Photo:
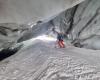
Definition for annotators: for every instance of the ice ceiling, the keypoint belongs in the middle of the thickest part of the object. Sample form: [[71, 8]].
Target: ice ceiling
[[23, 11]]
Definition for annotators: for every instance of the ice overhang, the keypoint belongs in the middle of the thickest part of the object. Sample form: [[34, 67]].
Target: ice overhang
[[24, 11]]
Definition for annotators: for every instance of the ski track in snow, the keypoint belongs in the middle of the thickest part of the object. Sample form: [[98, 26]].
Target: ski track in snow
[[44, 62]]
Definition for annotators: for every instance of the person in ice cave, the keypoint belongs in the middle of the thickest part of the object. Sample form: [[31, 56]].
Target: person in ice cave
[[60, 37]]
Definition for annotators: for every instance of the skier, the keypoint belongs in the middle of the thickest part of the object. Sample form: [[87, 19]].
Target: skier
[[60, 37]]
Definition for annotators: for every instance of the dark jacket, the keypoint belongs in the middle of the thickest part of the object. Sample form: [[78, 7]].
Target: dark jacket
[[60, 36]]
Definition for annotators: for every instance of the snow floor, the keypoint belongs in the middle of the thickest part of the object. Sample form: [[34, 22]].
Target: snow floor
[[40, 60]]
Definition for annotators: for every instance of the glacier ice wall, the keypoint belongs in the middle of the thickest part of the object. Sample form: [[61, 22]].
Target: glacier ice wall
[[82, 23]]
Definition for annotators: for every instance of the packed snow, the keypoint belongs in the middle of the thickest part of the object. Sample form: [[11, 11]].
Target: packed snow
[[40, 60]]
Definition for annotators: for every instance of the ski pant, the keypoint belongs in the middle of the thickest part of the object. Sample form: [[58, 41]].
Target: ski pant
[[61, 43]]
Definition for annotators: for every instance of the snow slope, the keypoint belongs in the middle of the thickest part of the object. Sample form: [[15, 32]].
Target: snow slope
[[41, 61]]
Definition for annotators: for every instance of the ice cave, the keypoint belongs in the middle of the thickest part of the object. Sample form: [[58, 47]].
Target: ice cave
[[29, 42]]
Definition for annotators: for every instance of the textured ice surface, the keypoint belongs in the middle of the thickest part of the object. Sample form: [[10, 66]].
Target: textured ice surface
[[41, 61]]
